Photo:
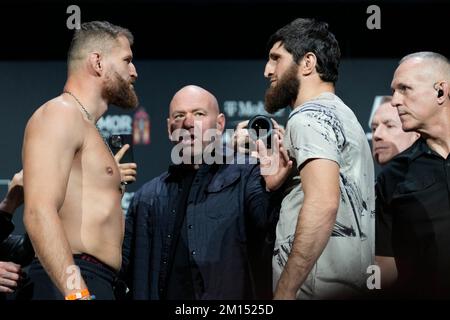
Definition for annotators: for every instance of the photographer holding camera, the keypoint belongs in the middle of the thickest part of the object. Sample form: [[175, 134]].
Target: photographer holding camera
[[259, 127]]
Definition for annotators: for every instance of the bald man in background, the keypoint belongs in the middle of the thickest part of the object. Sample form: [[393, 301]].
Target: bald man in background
[[388, 140], [388, 137], [198, 231], [413, 202]]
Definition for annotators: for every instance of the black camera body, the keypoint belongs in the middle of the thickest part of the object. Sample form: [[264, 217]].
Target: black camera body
[[261, 127], [117, 141]]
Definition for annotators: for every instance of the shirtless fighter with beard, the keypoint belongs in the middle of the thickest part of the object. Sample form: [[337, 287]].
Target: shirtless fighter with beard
[[72, 181]]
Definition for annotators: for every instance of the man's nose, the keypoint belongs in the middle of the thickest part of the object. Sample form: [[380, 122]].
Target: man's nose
[[268, 70], [377, 134], [396, 99], [133, 71], [188, 121]]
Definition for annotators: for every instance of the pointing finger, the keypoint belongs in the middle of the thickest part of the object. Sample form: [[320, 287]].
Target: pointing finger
[[121, 152]]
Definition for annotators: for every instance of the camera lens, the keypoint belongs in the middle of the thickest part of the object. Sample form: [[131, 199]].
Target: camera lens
[[260, 127], [261, 124], [116, 141]]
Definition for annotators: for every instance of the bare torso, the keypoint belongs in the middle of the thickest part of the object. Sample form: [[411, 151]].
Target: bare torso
[[91, 213]]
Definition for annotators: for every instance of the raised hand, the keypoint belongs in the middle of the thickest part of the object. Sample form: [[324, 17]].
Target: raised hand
[[14, 198], [127, 170], [275, 164], [242, 142]]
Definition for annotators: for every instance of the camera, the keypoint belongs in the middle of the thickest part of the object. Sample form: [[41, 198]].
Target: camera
[[117, 141], [261, 127]]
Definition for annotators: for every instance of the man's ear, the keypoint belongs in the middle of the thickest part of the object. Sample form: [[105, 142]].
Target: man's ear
[[220, 122], [308, 64], [96, 62], [443, 91]]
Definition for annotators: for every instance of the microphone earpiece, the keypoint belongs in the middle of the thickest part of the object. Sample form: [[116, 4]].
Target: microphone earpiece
[[440, 93]]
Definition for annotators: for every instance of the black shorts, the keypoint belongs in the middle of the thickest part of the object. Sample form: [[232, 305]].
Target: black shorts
[[100, 279]]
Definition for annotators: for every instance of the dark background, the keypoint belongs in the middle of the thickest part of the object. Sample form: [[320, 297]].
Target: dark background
[[225, 29], [220, 45]]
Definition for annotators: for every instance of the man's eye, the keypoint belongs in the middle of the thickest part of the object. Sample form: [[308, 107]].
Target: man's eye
[[403, 88]]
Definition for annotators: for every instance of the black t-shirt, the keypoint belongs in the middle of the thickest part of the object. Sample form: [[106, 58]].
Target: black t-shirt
[[413, 219]]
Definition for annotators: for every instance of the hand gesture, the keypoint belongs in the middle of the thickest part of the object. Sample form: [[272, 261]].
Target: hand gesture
[[9, 276], [127, 170], [275, 164], [14, 198], [242, 142]]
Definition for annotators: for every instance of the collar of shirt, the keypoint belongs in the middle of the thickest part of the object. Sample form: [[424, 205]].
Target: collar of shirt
[[176, 172], [419, 148]]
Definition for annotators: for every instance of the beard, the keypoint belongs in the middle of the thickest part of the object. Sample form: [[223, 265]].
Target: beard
[[285, 92], [117, 91]]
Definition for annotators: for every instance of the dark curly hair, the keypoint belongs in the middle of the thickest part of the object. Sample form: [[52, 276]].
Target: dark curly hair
[[308, 35]]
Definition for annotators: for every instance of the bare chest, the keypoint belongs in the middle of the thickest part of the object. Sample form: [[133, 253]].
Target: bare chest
[[97, 164]]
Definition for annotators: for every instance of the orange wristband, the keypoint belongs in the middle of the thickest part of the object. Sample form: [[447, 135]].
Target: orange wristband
[[78, 295]]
